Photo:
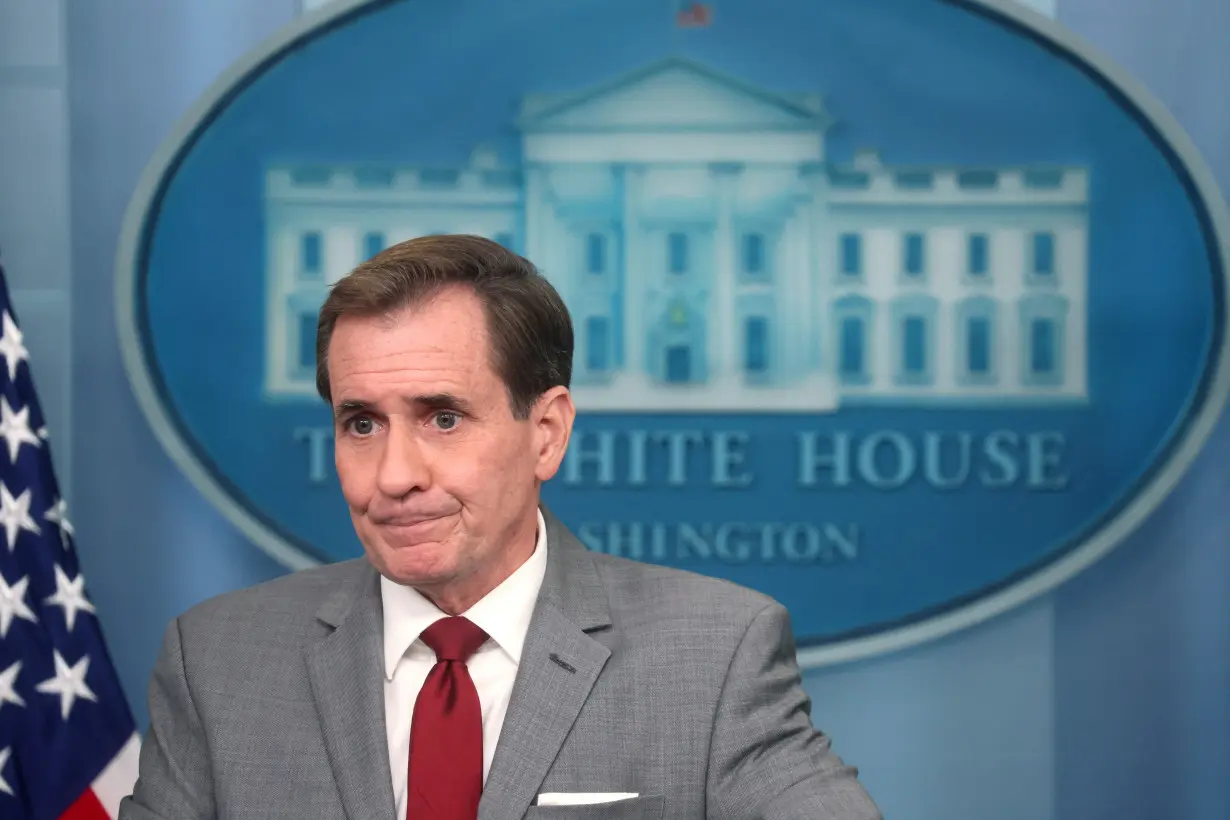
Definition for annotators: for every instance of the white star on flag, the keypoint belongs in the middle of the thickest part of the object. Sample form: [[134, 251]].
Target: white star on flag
[[68, 683], [4, 761], [15, 515], [8, 679], [57, 514], [15, 429], [70, 596], [13, 604], [11, 346]]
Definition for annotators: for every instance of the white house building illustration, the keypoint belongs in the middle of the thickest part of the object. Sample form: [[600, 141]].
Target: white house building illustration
[[713, 260]]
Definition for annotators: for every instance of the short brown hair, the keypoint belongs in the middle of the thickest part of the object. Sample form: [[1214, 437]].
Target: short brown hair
[[527, 321]]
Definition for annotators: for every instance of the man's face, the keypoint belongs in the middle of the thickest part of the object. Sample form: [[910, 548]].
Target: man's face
[[441, 480]]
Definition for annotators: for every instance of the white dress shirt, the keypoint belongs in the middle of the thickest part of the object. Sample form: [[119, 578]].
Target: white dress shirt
[[504, 614]]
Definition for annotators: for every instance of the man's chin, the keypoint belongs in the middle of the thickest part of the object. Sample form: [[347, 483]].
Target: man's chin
[[417, 564]]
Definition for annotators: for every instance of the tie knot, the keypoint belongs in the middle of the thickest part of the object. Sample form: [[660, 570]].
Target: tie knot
[[454, 639]]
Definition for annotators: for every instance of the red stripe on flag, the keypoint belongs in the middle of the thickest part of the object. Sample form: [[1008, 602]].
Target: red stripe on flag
[[87, 807]]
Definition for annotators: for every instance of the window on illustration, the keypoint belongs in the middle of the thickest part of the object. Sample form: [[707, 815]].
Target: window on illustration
[[914, 252], [852, 344], [978, 255], [914, 345], [595, 253], [756, 341], [311, 253], [678, 364], [1044, 253], [373, 243], [307, 341], [677, 251], [753, 253], [1042, 346], [851, 254], [597, 343], [978, 346]]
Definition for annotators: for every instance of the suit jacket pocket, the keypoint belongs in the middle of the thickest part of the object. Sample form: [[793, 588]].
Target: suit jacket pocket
[[635, 808]]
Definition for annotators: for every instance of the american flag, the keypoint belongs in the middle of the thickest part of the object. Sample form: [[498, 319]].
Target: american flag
[[693, 15], [68, 743]]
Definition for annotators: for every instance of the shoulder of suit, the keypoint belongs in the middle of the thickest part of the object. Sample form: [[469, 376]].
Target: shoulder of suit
[[299, 593], [635, 584]]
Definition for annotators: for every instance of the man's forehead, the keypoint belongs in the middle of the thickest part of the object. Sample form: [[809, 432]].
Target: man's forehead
[[408, 371], [396, 368]]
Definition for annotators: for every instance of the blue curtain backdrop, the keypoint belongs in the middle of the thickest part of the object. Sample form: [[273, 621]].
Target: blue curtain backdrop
[[1108, 698]]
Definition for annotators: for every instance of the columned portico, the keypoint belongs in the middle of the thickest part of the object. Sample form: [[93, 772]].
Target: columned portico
[[713, 258]]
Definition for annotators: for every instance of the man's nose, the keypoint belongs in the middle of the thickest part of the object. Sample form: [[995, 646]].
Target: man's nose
[[403, 467]]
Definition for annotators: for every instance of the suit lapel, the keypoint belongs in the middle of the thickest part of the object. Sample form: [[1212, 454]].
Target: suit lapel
[[346, 674], [559, 664]]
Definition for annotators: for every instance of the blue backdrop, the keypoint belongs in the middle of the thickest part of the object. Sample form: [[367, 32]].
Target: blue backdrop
[[924, 83]]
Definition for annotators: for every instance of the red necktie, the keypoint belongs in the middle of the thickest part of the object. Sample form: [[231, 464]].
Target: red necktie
[[446, 732]]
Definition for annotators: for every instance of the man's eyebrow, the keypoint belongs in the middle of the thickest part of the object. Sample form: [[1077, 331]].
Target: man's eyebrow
[[349, 406], [432, 401], [443, 401]]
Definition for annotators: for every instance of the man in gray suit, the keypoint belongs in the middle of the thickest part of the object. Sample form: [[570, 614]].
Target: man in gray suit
[[479, 661]]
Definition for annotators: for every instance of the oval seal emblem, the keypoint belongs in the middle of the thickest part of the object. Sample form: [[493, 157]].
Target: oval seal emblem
[[902, 312]]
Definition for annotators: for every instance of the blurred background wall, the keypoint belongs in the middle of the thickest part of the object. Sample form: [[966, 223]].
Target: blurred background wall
[[1106, 699]]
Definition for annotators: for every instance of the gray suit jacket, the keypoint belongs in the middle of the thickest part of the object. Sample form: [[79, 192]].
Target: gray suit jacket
[[268, 703]]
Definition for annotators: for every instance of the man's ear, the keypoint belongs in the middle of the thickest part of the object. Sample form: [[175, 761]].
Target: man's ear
[[552, 417]]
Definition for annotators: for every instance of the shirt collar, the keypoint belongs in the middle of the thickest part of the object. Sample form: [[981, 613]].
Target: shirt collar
[[503, 613]]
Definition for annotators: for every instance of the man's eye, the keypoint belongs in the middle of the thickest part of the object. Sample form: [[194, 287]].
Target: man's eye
[[447, 420], [362, 426]]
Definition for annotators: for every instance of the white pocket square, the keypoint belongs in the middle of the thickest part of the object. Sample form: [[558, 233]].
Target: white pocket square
[[582, 798]]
